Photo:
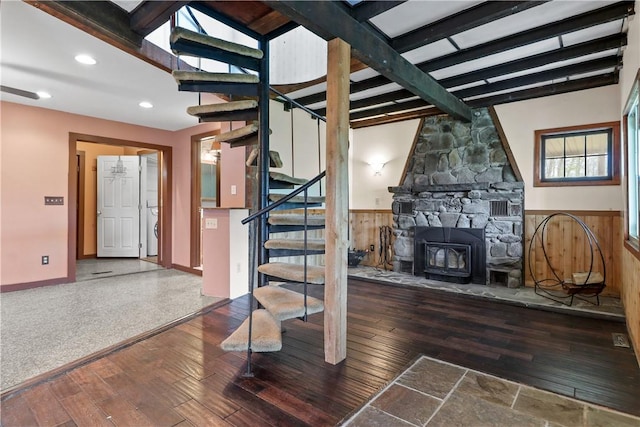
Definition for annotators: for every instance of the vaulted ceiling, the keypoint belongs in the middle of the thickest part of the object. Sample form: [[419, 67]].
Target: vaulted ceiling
[[410, 58]]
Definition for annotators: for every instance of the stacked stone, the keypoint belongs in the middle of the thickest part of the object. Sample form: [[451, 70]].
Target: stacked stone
[[456, 170]]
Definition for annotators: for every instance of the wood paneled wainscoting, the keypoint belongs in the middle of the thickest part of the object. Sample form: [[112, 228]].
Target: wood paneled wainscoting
[[365, 231], [568, 249], [631, 297]]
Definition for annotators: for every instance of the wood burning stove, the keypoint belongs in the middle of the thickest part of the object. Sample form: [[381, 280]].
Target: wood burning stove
[[450, 254]]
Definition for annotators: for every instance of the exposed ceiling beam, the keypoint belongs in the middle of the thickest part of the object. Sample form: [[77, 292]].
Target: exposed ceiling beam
[[102, 19], [605, 14], [393, 118], [368, 9], [113, 29], [462, 21], [565, 53], [614, 41], [150, 15], [399, 106], [569, 70], [328, 20], [548, 90], [543, 76]]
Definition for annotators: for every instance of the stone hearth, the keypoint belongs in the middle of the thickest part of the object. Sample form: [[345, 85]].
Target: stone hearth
[[458, 175]]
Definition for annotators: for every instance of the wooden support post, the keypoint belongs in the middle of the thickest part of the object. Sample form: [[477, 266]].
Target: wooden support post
[[337, 217]]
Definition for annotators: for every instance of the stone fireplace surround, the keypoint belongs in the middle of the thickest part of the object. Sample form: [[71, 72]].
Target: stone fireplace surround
[[458, 175]]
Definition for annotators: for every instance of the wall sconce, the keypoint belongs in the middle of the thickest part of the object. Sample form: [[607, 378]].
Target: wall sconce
[[377, 168]]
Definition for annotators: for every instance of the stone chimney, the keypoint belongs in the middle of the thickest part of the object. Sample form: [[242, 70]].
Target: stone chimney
[[458, 175]]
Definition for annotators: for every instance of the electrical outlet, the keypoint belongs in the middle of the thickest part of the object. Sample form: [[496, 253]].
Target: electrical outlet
[[372, 248], [234, 189], [45, 259]]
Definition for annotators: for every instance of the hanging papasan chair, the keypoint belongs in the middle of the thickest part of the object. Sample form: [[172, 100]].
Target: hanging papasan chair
[[585, 284]]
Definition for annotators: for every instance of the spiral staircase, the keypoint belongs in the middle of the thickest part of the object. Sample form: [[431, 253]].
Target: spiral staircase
[[286, 215]]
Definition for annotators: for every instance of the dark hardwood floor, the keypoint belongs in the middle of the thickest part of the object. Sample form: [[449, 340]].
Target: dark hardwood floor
[[181, 377]]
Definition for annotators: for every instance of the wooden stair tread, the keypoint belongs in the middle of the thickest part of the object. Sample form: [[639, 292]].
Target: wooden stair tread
[[203, 76], [180, 34], [274, 158], [274, 197], [265, 334], [222, 107], [286, 304], [293, 272], [295, 244], [295, 219], [240, 133], [277, 176]]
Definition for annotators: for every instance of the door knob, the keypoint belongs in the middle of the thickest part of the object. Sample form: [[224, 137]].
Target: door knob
[[99, 213]]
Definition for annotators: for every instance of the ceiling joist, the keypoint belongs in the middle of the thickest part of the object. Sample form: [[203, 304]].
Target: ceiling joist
[[150, 15], [467, 19], [605, 14], [368, 9], [548, 90], [329, 21]]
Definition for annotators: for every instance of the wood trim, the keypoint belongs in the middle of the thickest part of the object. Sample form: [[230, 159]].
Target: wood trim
[[195, 250], [615, 156], [185, 269], [577, 213], [370, 210], [32, 285], [411, 151], [165, 154], [505, 143], [88, 256], [81, 156], [631, 246]]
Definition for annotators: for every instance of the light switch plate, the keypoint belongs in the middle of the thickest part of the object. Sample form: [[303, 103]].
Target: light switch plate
[[211, 223], [234, 189], [54, 200]]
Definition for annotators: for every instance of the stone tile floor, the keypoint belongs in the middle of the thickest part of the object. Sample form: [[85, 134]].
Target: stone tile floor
[[609, 307], [436, 393]]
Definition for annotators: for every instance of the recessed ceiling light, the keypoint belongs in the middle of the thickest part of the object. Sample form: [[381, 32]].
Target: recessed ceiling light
[[146, 104], [43, 95], [85, 59]]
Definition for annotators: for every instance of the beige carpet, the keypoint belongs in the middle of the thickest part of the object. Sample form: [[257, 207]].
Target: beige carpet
[[435, 393]]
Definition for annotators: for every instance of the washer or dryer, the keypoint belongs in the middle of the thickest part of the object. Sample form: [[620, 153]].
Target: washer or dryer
[[152, 231]]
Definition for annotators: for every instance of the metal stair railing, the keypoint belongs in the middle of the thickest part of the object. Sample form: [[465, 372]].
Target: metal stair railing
[[261, 213]]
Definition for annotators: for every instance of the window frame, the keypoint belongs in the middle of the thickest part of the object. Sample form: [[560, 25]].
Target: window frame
[[613, 156], [631, 243]]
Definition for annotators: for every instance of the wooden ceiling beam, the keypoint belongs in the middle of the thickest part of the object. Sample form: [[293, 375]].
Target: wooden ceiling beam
[[387, 109], [462, 21], [614, 41], [613, 61], [393, 118], [366, 10], [329, 21], [602, 15], [110, 25], [102, 19], [548, 90], [150, 15]]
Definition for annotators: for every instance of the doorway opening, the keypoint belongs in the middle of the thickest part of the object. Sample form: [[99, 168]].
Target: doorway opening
[[154, 205], [205, 186]]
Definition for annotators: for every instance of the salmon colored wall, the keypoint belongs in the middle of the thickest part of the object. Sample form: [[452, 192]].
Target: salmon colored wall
[[92, 151], [34, 164]]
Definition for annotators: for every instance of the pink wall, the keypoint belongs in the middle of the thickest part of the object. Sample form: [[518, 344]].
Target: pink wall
[[34, 164]]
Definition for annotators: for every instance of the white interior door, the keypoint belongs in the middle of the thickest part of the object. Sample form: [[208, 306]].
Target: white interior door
[[118, 202]]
